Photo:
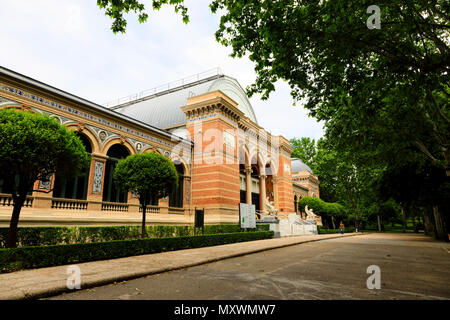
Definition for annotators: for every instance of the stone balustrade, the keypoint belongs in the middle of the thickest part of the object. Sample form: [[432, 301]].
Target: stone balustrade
[[115, 206], [150, 209], [69, 204], [174, 210], [6, 200]]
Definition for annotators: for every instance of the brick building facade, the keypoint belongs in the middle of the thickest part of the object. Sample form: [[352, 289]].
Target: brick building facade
[[206, 126]]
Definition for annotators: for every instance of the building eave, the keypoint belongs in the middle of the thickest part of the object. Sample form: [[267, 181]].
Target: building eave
[[301, 186], [40, 85]]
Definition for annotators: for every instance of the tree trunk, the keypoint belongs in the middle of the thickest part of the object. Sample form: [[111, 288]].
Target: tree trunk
[[428, 224], [425, 224], [413, 216], [144, 209], [332, 220], [12, 232], [377, 205], [404, 220], [355, 210], [440, 227], [143, 197]]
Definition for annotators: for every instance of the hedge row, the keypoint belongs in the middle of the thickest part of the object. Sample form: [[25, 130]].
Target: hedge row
[[13, 259], [322, 230], [44, 236], [321, 207]]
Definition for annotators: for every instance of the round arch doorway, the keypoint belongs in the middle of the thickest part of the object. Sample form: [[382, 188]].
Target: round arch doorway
[[176, 197], [74, 187], [111, 193]]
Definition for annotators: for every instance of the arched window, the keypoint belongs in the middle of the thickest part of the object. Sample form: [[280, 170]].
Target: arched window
[[269, 192], [7, 184], [242, 184], [176, 197], [110, 191], [255, 187], [74, 187]]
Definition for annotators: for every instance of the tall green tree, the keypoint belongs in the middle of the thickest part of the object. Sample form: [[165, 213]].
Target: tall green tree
[[343, 178], [353, 77], [33, 147], [148, 175]]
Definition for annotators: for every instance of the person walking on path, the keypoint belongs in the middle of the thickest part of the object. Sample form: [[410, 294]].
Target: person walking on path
[[341, 227]]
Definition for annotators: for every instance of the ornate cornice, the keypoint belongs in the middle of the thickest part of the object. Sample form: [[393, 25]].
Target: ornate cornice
[[211, 105]]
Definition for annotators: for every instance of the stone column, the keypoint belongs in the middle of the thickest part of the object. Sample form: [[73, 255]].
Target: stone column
[[43, 199], [262, 192], [133, 203], [164, 205], [275, 192], [248, 184], [187, 195]]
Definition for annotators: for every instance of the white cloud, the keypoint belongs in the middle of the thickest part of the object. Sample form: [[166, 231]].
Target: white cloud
[[69, 44]]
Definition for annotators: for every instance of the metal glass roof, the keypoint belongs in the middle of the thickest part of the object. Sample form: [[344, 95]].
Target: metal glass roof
[[163, 109], [298, 165]]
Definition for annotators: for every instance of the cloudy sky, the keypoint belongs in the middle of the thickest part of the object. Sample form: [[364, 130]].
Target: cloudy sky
[[68, 44]]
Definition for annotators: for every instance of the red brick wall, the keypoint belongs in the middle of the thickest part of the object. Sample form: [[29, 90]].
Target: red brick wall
[[215, 169]]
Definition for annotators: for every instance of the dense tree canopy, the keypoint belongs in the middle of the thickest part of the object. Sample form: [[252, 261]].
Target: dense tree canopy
[[342, 177], [374, 88], [35, 146], [147, 175]]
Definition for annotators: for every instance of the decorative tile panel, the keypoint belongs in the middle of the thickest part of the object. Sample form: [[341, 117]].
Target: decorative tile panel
[[98, 177], [102, 135], [139, 145], [61, 119], [187, 190], [47, 184]]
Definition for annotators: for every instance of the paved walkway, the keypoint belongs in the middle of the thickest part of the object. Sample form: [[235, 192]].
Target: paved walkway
[[411, 267], [45, 282]]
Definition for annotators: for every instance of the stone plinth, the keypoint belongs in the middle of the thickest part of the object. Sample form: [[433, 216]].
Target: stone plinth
[[293, 226]]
